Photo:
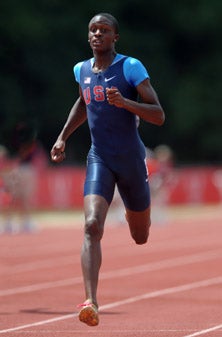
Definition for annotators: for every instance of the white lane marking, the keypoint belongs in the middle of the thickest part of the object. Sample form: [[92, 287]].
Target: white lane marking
[[74, 258], [158, 293], [203, 332], [40, 264], [122, 272], [24, 251], [47, 321]]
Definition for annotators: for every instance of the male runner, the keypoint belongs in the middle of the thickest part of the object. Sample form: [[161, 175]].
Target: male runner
[[109, 84]]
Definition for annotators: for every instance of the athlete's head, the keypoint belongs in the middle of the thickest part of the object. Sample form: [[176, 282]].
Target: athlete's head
[[110, 19], [103, 33]]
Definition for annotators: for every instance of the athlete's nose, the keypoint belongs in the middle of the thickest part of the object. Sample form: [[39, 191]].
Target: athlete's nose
[[98, 32]]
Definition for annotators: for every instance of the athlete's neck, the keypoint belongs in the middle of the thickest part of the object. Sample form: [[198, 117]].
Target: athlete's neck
[[103, 61]]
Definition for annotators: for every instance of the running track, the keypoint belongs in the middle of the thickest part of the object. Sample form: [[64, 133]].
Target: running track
[[170, 287]]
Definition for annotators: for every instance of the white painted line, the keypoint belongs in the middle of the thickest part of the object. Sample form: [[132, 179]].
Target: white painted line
[[122, 272], [40, 264], [163, 264], [158, 293], [41, 286], [167, 291], [203, 332], [46, 248], [47, 321]]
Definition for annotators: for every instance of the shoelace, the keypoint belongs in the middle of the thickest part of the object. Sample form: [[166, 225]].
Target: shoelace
[[82, 305]]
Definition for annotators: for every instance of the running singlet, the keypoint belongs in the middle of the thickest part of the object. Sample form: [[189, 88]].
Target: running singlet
[[113, 130]]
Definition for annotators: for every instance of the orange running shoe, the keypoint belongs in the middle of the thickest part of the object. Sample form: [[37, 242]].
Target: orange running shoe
[[89, 313]]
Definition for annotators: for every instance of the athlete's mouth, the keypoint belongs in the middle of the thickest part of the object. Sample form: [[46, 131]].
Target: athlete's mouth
[[97, 42]]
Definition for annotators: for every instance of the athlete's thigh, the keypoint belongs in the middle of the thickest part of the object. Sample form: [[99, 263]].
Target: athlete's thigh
[[133, 184], [140, 219], [95, 206], [100, 180]]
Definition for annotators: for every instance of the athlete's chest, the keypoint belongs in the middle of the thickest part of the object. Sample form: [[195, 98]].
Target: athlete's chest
[[94, 84]]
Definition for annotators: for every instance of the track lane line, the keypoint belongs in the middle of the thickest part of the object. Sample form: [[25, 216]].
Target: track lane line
[[153, 294], [122, 272], [203, 332], [40, 264]]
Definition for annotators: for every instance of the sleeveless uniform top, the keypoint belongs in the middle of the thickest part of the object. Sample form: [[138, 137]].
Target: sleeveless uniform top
[[113, 130]]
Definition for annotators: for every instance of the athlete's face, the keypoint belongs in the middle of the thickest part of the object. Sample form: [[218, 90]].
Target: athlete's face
[[102, 35]]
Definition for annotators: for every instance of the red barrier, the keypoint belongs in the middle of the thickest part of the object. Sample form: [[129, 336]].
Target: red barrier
[[196, 185], [62, 188]]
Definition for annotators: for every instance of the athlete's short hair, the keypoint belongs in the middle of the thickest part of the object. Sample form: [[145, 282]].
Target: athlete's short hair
[[111, 18]]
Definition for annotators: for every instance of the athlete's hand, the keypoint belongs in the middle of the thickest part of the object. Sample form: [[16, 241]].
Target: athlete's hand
[[58, 151], [114, 97]]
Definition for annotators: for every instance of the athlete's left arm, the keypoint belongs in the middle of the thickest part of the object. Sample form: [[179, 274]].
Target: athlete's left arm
[[149, 107]]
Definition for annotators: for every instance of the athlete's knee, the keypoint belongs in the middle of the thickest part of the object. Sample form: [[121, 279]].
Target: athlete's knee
[[140, 232], [140, 237], [93, 228], [139, 224]]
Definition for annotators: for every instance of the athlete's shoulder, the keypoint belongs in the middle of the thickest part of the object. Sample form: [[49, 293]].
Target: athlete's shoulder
[[134, 70], [119, 57], [77, 68], [127, 59]]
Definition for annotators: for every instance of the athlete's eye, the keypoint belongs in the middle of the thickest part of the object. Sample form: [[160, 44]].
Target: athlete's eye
[[101, 30]]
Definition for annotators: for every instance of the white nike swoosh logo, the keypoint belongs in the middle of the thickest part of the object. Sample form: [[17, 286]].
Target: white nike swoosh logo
[[109, 79]]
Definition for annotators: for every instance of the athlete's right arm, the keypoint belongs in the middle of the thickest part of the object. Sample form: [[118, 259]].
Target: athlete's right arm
[[76, 117]]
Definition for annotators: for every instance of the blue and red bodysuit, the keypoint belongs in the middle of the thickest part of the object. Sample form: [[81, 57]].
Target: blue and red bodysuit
[[117, 154]]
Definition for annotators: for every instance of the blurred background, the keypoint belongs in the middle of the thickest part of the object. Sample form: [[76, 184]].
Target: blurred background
[[179, 42]]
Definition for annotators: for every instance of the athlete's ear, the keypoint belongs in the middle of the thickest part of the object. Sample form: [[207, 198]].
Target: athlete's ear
[[116, 38]]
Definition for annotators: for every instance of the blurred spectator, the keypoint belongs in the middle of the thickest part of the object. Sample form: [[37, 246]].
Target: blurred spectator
[[5, 196], [160, 162], [20, 181]]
